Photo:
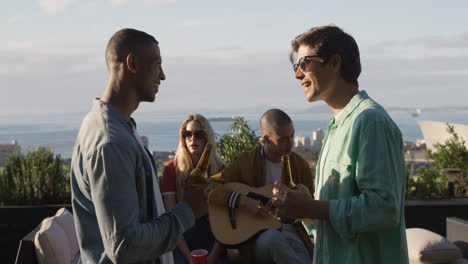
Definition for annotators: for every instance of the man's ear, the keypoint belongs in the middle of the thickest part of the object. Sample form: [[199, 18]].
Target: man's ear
[[335, 63], [130, 62], [266, 138]]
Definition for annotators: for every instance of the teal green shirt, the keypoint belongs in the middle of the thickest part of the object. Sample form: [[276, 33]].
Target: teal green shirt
[[363, 177]]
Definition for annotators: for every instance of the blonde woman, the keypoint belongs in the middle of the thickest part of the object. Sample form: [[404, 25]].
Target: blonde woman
[[194, 134]]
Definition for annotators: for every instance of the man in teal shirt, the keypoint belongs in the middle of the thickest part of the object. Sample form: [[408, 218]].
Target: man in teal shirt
[[360, 185]]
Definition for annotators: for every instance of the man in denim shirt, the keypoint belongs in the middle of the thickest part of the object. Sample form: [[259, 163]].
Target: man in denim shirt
[[118, 210], [360, 183]]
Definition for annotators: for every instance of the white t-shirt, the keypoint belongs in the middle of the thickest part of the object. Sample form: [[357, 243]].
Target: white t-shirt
[[273, 173], [321, 164], [167, 257]]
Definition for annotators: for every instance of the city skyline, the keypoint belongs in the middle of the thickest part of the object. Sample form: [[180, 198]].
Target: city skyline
[[219, 55]]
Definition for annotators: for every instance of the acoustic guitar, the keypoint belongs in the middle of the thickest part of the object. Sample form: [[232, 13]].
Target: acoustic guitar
[[246, 224]]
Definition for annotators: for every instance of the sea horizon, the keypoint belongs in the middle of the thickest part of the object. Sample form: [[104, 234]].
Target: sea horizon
[[58, 131]]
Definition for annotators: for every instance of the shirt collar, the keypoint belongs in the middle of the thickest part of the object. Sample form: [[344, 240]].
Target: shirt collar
[[350, 107], [101, 106]]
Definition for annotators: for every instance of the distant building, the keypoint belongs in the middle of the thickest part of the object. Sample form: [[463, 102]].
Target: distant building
[[8, 149], [163, 155], [436, 132], [159, 157], [302, 142], [318, 136], [305, 143]]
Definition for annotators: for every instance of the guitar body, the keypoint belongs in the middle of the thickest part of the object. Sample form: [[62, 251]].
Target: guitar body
[[247, 224]]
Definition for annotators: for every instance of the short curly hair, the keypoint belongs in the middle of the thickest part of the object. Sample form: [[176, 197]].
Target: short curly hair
[[328, 41]]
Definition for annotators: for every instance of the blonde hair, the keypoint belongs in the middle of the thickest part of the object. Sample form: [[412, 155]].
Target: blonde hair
[[183, 159]]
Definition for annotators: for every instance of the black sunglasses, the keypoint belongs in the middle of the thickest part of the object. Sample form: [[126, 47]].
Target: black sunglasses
[[303, 62], [200, 134]]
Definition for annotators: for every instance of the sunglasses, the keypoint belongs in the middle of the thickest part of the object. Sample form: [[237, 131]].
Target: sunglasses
[[200, 134], [303, 62]]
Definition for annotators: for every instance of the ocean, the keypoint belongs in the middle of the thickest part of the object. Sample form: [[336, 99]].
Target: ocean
[[59, 134]]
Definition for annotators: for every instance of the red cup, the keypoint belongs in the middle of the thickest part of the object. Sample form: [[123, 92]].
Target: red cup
[[199, 256]]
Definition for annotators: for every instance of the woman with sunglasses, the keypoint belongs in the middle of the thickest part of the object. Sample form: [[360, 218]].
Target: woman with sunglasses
[[195, 133]]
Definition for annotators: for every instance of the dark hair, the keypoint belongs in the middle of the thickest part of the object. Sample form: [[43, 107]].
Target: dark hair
[[274, 119], [125, 41], [328, 41]]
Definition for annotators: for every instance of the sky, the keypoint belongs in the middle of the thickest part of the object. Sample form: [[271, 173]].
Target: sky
[[227, 55]]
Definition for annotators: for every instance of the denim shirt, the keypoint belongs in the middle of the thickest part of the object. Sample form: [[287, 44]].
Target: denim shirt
[[109, 183], [363, 177]]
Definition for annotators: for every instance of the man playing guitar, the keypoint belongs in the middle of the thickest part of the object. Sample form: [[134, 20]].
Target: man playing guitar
[[259, 167]]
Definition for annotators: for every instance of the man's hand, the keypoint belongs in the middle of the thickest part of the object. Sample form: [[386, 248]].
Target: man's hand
[[290, 204], [253, 206], [197, 199]]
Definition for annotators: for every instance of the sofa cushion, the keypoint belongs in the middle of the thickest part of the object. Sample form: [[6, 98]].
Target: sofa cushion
[[65, 219], [51, 243], [425, 246], [460, 261]]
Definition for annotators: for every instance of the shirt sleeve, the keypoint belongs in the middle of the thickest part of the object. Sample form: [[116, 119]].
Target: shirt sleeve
[[380, 178], [112, 169], [169, 179], [219, 193]]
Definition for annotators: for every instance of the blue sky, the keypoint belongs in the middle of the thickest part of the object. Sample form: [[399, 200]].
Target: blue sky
[[228, 54]]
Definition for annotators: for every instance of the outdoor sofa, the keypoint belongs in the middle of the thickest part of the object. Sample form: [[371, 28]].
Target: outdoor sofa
[[55, 241]]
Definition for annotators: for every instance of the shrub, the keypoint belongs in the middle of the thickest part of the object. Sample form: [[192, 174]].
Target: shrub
[[452, 154], [237, 139], [432, 182], [38, 177], [428, 184]]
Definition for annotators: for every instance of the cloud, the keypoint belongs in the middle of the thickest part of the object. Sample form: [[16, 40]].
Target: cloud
[[195, 22], [67, 80], [15, 19], [89, 5], [231, 48], [448, 73], [53, 6], [458, 41], [117, 3], [34, 81], [159, 1], [425, 81], [36, 61]]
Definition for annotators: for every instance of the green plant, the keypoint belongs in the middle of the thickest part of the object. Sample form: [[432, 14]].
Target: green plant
[[428, 184], [452, 154], [38, 177], [432, 182], [237, 139]]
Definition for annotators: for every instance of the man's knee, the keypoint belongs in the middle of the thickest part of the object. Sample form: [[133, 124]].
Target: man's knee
[[271, 238]]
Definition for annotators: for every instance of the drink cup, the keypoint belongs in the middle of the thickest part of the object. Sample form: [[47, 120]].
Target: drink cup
[[199, 256]]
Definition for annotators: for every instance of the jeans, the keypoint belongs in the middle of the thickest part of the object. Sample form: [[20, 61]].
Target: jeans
[[272, 246]]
